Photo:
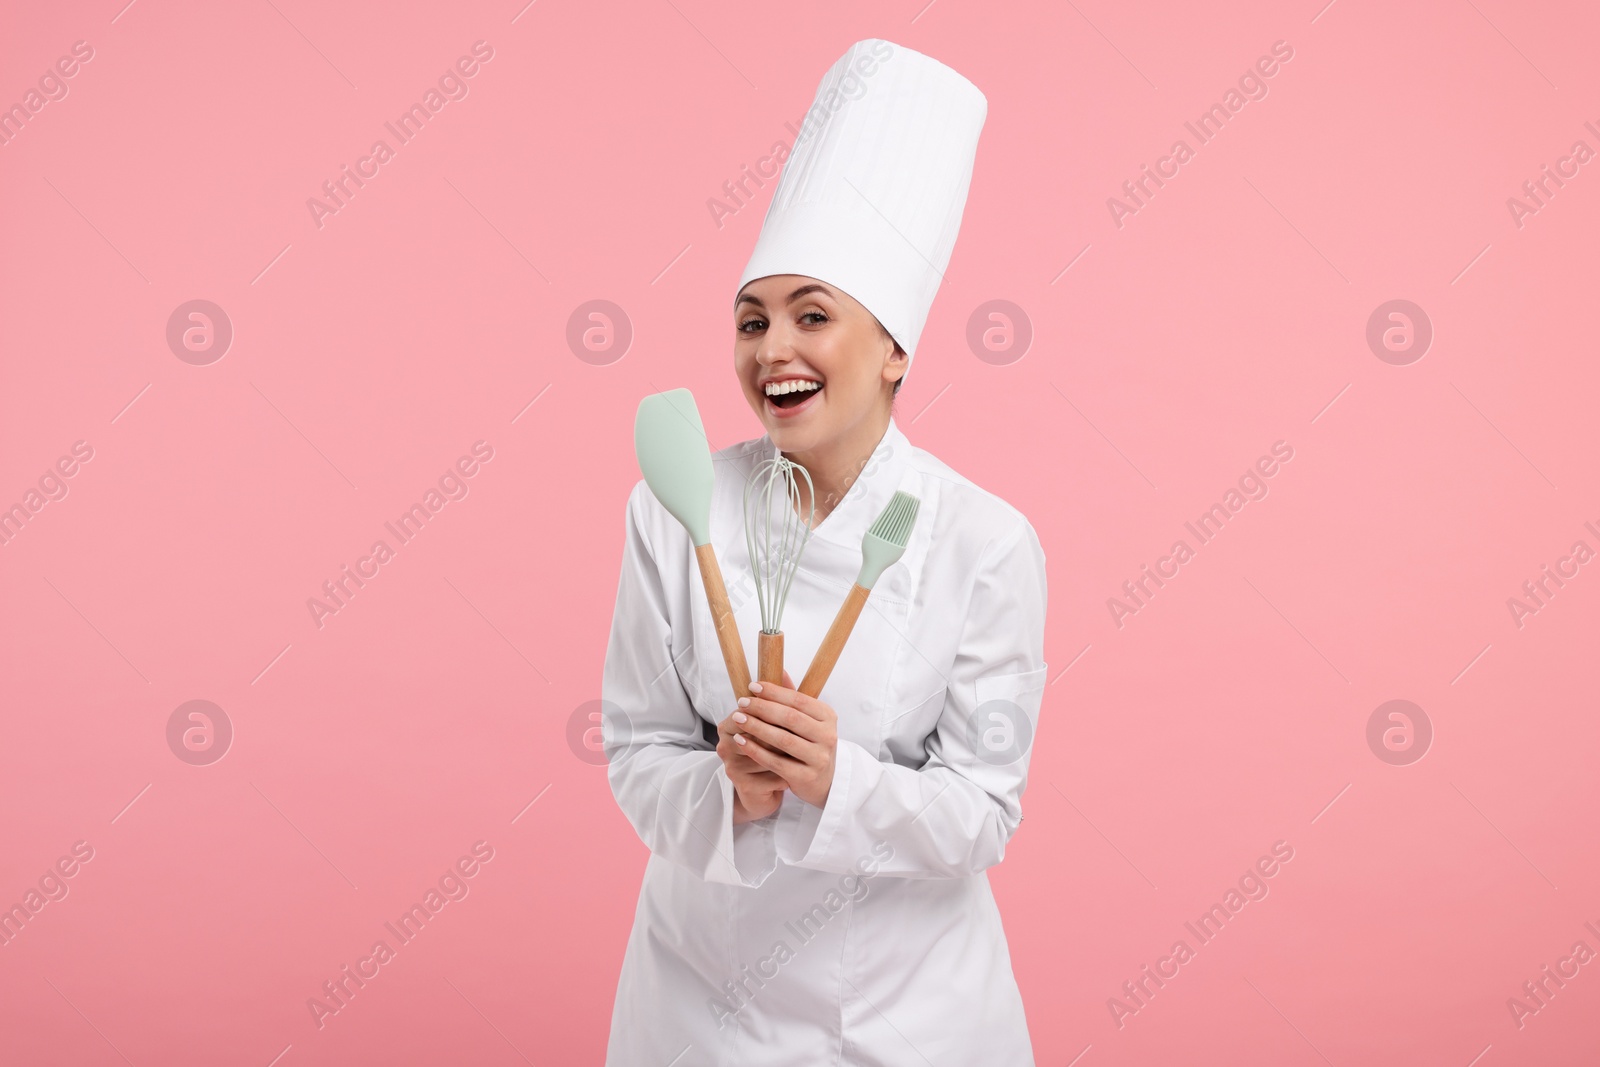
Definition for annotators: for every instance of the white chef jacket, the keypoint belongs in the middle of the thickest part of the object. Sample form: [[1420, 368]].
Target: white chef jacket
[[863, 932]]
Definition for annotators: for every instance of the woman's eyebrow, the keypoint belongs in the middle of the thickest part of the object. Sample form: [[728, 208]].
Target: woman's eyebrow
[[813, 287]]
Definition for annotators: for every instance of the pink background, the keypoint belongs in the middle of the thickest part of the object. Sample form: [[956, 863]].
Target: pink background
[[428, 313]]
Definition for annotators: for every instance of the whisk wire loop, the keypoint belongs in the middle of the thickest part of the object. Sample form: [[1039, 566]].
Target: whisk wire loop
[[775, 544]]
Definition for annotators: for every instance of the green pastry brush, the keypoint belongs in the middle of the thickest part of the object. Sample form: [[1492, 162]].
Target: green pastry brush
[[881, 548]]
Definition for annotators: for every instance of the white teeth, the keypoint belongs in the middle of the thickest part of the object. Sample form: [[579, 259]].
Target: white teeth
[[793, 385]]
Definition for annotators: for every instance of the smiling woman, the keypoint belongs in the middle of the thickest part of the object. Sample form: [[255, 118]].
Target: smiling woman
[[752, 804]]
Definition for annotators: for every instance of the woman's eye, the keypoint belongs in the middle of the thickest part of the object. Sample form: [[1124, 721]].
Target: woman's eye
[[749, 325], [815, 315]]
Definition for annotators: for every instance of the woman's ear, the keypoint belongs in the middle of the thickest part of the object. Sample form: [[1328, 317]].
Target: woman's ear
[[897, 366]]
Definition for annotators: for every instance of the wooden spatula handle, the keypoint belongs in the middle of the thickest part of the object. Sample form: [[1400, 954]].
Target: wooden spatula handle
[[722, 615], [833, 644], [769, 657]]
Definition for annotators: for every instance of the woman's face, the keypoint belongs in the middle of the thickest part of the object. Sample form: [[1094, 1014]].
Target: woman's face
[[798, 330]]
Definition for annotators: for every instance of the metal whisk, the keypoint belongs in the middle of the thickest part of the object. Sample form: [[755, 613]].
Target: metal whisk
[[775, 544]]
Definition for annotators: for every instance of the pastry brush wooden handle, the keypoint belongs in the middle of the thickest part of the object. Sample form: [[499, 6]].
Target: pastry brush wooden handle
[[833, 644], [722, 615]]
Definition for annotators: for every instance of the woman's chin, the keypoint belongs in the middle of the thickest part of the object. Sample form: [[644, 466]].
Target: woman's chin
[[788, 437]]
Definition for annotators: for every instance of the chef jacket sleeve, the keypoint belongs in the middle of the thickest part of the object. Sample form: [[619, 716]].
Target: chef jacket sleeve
[[664, 772], [953, 816]]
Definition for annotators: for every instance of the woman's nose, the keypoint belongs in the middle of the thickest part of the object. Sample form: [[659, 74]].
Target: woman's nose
[[775, 348]]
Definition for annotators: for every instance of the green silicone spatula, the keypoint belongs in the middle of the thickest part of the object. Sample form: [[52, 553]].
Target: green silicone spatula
[[883, 545], [675, 459]]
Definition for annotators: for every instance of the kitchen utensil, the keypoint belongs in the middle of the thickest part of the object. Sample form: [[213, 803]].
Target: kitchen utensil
[[775, 543], [882, 546], [675, 459]]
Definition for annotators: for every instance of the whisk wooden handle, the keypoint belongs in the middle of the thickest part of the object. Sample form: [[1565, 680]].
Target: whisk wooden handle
[[722, 615], [769, 657], [833, 644]]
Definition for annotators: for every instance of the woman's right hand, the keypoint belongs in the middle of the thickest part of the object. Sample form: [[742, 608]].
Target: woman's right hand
[[757, 792]]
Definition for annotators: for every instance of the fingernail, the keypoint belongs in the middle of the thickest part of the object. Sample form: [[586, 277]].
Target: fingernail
[[739, 738], [755, 687], [740, 716], [744, 702]]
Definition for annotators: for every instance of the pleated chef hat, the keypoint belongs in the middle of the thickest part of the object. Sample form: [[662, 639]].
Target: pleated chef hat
[[872, 193]]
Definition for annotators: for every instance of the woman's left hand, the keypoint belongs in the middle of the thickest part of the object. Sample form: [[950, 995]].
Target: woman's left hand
[[790, 734]]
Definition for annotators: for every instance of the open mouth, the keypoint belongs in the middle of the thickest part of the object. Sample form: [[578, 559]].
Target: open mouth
[[791, 394]]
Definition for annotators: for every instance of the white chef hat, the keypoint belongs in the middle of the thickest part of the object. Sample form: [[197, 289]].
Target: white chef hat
[[872, 193]]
